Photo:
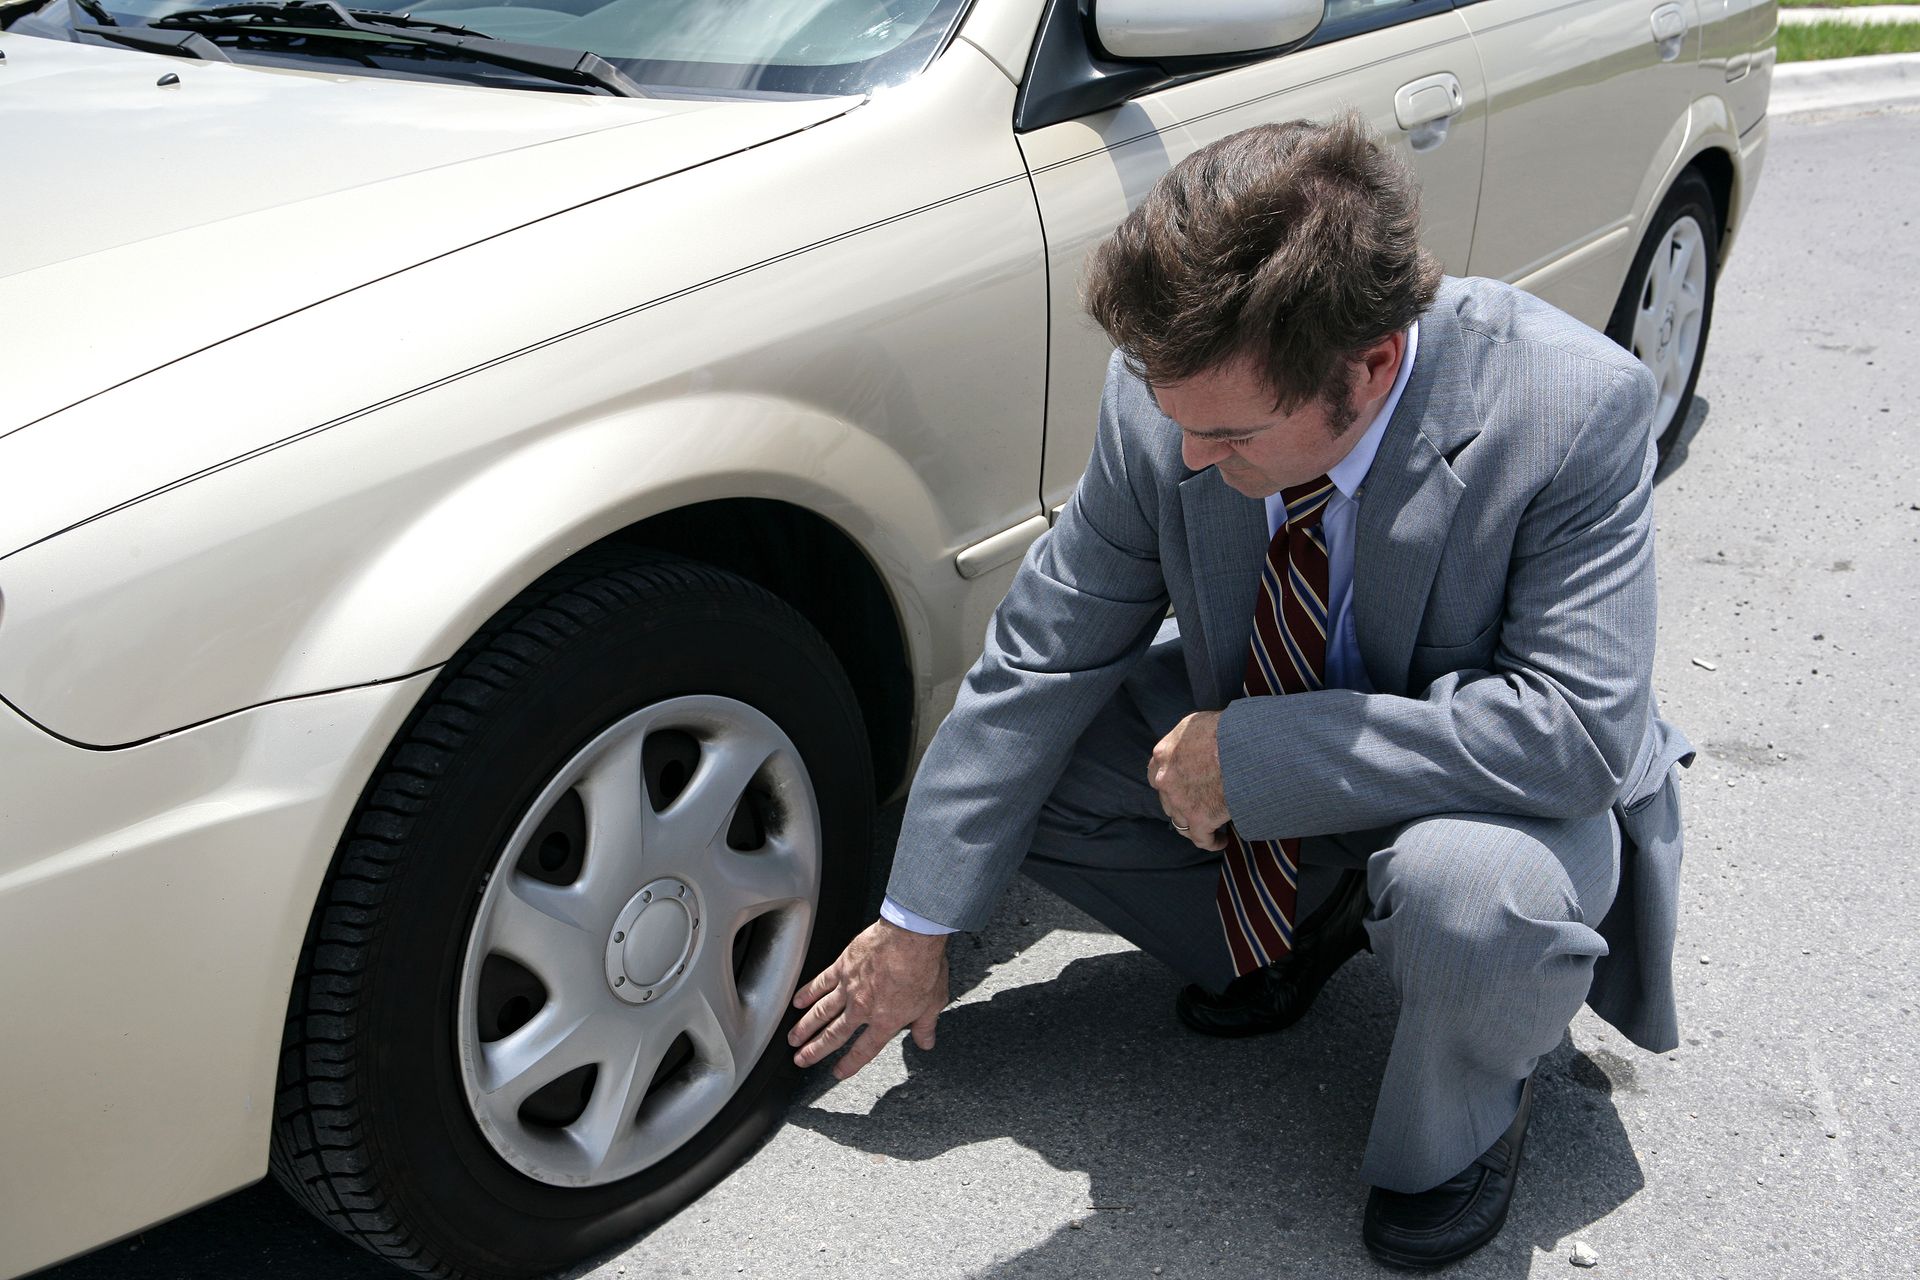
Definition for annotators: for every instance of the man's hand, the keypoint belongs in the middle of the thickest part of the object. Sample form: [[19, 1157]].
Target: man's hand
[[887, 978], [1185, 770]]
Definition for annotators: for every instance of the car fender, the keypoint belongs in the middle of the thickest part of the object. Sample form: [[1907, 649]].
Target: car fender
[[309, 581], [468, 551], [1706, 126]]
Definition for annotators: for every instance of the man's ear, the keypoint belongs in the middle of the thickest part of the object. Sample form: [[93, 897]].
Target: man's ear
[[1377, 366]]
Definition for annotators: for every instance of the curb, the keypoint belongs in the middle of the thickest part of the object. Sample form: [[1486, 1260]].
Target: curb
[[1860, 15], [1886, 79]]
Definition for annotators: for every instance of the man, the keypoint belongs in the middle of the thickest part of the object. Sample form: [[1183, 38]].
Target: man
[[1435, 680]]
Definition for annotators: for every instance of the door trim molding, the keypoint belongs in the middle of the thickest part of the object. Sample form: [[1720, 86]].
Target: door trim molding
[[1008, 545]]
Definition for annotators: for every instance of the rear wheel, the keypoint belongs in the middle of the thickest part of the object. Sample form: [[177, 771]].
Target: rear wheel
[[1666, 307], [541, 1000]]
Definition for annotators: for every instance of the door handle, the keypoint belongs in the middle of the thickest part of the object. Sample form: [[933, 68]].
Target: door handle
[[1669, 29], [1425, 108]]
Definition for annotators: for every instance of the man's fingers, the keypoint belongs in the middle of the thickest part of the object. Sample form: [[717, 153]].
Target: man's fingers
[[861, 1052], [829, 1006], [923, 1028], [830, 1038], [824, 981]]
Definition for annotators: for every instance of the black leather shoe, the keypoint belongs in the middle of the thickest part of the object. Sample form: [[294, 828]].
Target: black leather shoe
[[1432, 1228], [1273, 998]]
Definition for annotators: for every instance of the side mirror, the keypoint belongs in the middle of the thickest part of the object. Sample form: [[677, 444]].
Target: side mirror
[[1158, 30]]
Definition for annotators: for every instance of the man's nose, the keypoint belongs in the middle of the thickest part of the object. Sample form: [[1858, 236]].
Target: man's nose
[[1199, 454]]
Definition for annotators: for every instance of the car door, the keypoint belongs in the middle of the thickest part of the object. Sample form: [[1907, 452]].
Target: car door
[[1407, 65], [1586, 102]]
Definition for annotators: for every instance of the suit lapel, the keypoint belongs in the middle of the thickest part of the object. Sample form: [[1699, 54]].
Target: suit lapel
[[1227, 544], [1408, 499]]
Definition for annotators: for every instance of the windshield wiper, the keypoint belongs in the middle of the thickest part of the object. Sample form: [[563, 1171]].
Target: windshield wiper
[[329, 14], [189, 44], [298, 18]]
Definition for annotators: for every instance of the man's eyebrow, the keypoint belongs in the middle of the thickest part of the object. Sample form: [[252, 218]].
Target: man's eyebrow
[[1215, 433]]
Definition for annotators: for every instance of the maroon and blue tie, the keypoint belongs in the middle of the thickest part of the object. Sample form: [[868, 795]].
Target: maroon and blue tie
[[1287, 653]]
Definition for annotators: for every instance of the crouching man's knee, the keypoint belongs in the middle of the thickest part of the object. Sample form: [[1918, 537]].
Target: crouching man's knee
[[1472, 907]]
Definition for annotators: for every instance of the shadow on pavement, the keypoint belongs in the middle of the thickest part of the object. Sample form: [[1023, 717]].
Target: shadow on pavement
[[249, 1235], [1204, 1154], [1675, 455]]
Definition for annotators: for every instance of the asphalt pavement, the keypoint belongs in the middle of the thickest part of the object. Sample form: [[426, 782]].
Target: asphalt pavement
[[1067, 1127]]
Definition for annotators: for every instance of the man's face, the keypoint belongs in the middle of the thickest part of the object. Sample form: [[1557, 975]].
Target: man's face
[[1227, 420]]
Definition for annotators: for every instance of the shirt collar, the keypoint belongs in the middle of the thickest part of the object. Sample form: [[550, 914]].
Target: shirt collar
[[1351, 471]]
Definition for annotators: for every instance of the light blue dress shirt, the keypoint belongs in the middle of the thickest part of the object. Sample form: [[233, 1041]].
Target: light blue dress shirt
[[1337, 524]]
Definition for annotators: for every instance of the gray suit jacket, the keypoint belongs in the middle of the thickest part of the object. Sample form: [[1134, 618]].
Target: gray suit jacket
[[1503, 603]]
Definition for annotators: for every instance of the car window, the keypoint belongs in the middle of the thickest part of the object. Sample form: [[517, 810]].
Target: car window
[[797, 46], [777, 46], [1342, 10], [1352, 17]]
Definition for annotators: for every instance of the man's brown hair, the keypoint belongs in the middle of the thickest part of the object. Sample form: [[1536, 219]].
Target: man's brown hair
[[1291, 245]]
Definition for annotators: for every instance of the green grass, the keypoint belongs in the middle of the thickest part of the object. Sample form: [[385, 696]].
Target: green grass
[[1834, 4], [1843, 40]]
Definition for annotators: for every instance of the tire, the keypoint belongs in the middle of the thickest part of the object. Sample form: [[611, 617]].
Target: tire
[[1665, 308], [427, 979]]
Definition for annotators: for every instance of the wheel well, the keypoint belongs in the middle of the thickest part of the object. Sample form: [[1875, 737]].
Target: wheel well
[[815, 567], [1716, 167]]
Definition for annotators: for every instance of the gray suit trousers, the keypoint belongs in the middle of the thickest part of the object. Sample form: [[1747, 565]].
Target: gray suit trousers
[[1484, 923]]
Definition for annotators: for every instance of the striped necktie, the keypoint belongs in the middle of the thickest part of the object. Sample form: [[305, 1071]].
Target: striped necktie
[[1287, 653]]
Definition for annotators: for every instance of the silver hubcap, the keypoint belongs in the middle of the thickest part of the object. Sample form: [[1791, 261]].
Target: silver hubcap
[[1672, 303], [638, 940], [652, 940]]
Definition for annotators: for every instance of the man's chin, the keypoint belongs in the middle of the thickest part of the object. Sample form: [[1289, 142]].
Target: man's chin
[[1251, 486]]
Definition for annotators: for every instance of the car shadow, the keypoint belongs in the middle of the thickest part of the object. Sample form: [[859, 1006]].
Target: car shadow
[[253, 1233], [1206, 1153]]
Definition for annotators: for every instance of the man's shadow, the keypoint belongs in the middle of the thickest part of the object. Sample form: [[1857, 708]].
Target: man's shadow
[[1674, 455], [1241, 1157]]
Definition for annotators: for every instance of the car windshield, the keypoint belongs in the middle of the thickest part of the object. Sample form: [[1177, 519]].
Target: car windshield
[[710, 46]]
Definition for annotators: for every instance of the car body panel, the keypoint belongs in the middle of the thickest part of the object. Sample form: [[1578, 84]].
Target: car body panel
[[152, 903], [1584, 77], [1003, 30], [180, 234], [1089, 173], [199, 599], [281, 136], [1737, 54], [1746, 178]]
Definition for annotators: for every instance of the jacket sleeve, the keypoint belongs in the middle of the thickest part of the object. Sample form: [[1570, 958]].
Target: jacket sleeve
[[1082, 608], [1549, 731]]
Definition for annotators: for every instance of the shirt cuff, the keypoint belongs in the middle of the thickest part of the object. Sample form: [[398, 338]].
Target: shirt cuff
[[895, 914]]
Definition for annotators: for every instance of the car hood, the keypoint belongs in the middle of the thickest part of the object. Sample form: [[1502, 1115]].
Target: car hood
[[144, 221]]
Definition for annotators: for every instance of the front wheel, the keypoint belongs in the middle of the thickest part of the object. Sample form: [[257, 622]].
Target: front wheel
[[541, 1002], [1666, 306]]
